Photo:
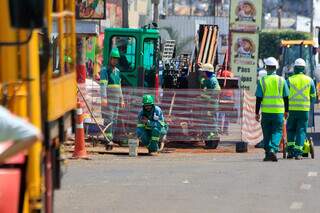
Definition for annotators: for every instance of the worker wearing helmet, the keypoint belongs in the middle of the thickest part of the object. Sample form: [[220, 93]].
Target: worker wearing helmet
[[272, 96], [151, 127], [111, 92], [302, 93], [210, 94]]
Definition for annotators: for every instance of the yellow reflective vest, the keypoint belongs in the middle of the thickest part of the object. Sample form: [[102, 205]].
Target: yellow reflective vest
[[272, 89], [299, 98]]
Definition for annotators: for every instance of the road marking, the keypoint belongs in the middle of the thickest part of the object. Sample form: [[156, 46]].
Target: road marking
[[296, 205], [305, 186], [185, 181], [312, 174]]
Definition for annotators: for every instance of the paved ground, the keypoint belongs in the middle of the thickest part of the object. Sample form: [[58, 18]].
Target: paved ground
[[189, 182]]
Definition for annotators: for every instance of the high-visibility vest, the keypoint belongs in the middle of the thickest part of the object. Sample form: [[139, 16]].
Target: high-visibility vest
[[272, 88], [299, 98]]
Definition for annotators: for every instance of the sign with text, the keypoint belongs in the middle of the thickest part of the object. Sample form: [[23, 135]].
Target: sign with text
[[244, 58], [245, 15]]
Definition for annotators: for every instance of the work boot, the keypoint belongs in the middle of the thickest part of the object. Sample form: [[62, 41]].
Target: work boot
[[298, 157], [273, 157], [267, 157], [290, 155]]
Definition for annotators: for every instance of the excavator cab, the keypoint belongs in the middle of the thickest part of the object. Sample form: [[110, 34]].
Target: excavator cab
[[138, 54]]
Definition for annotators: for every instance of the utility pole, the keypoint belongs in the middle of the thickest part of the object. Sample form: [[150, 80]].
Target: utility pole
[[155, 10], [125, 15], [312, 16], [279, 17], [190, 7]]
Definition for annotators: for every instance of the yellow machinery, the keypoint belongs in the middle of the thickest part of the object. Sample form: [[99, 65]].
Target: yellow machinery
[[293, 49], [32, 89]]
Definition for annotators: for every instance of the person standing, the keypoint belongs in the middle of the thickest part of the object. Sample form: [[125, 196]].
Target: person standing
[[302, 94], [210, 95], [272, 96], [111, 92]]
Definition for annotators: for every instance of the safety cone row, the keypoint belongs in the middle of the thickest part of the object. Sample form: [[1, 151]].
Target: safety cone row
[[79, 148]]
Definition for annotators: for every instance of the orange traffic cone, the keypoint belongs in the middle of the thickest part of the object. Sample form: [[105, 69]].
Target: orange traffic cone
[[79, 148]]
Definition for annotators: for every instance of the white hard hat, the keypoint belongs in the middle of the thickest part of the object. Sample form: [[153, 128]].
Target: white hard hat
[[271, 61], [300, 63]]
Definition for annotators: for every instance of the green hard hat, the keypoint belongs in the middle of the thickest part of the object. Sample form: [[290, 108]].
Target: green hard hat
[[115, 53], [147, 100]]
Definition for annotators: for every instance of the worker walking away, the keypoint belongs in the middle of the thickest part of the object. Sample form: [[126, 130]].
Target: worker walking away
[[151, 127], [111, 92], [272, 95], [15, 129], [302, 95], [210, 96]]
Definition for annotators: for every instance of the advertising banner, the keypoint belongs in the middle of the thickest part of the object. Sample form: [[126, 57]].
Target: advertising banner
[[245, 15], [90, 9], [244, 58]]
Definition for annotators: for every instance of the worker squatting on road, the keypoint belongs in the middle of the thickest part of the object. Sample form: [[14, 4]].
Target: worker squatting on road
[[272, 95], [111, 92], [302, 94], [151, 127], [210, 94], [17, 130]]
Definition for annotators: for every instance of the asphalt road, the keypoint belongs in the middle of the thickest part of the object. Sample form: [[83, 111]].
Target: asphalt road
[[190, 183]]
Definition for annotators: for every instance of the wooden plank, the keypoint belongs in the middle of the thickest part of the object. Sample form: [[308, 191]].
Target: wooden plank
[[212, 45], [203, 42], [204, 59]]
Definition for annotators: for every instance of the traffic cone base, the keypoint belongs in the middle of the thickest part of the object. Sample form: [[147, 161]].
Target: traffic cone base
[[80, 151]]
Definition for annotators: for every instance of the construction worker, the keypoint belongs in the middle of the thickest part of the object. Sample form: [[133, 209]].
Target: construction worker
[[272, 95], [302, 94], [210, 95], [111, 92], [151, 127], [15, 129]]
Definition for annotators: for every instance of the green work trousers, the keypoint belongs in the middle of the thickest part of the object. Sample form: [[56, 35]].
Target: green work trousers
[[151, 137], [297, 131], [272, 124]]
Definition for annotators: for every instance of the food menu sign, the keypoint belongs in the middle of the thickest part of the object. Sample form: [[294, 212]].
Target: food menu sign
[[245, 15], [90, 9], [244, 58]]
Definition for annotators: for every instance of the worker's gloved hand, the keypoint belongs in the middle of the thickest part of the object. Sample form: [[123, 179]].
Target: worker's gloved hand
[[155, 117], [144, 120], [258, 117], [286, 115]]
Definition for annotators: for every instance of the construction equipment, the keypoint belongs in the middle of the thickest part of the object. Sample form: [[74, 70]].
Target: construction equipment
[[138, 54], [31, 89], [293, 49]]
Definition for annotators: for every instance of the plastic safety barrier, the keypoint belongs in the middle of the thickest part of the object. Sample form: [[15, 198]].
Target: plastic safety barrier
[[192, 114]]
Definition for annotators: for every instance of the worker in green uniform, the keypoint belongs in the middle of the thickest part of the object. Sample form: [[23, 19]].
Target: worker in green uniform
[[272, 96], [210, 95], [302, 94], [111, 92], [151, 127]]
